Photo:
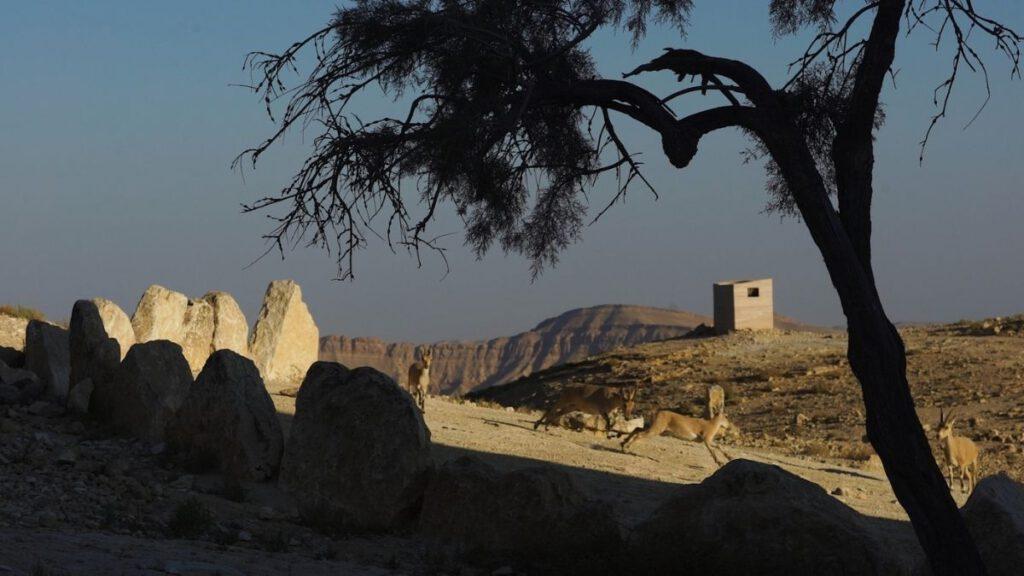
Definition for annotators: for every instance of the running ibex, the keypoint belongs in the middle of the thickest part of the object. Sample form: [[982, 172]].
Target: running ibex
[[590, 399], [960, 452], [419, 379], [682, 427]]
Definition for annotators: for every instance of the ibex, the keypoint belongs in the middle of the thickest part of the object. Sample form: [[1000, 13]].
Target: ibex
[[960, 452], [419, 380], [590, 399], [682, 427]]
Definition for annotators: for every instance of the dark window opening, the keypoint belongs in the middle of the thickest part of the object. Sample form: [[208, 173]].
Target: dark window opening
[[753, 292]]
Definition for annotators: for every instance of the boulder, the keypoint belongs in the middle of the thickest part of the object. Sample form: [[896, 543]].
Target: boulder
[[12, 340], [285, 340], [117, 324], [94, 355], [534, 515], [995, 517], [148, 389], [358, 452], [752, 518], [16, 377], [197, 334], [160, 315], [80, 396], [48, 354], [228, 420], [230, 328]]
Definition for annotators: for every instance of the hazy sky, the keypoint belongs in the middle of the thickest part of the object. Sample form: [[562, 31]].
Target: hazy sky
[[118, 123]]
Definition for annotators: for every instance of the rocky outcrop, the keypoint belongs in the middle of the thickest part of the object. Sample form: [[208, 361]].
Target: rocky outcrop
[[358, 451], [48, 355], [229, 421], [752, 518], [94, 355], [995, 517], [534, 518], [160, 315], [285, 339], [116, 323], [200, 326], [12, 340], [459, 367], [148, 389]]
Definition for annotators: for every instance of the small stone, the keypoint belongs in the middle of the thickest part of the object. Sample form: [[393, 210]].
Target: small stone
[[800, 420], [245, 536], [267, 513], [839, 491], [46, 519], [9, 426], [184, 482], [67, 456], [504, 571]]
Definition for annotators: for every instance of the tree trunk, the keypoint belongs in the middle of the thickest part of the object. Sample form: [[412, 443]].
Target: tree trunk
[[879, 362], [878, 359]]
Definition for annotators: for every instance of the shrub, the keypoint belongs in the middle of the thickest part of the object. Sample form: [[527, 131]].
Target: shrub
[[21, 312], [191, 519]]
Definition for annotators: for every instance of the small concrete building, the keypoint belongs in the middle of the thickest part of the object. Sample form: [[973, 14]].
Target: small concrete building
[[744, 305]]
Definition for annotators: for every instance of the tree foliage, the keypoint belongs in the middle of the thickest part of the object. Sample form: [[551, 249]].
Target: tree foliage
[[505, 117]]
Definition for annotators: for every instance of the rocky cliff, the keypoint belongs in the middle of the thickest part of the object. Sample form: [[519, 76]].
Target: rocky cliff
[[459, 367]]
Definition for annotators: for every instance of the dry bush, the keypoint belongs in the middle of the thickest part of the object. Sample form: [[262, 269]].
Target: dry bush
[[21, 312]]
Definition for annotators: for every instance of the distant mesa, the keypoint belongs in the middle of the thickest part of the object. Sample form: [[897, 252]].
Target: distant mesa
[[460, 367]]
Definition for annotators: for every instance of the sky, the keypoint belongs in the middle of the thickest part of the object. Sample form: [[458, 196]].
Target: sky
[[119, 121]]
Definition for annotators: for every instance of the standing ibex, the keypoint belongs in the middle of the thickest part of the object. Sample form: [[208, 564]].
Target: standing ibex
[[419, 379], [590, 399], [682, 427], [960, 452]]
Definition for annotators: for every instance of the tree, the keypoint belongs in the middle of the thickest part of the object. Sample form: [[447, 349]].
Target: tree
[[505, 117]]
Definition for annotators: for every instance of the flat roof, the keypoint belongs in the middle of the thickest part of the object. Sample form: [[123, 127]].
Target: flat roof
[[733, 282]]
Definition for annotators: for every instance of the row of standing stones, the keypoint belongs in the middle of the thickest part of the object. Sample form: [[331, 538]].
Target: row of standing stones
[[358, 456]]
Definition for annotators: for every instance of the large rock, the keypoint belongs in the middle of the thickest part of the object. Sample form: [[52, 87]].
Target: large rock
[[116, 323], [12, 340], [535, 519], [197, 334], [995, 517], [48, 355], [213, 322], [752, 518], [94, 355], [358, 452], [160, 315], [229, 421], [17, 385], [148, 389], [230, 328], [285, 339]]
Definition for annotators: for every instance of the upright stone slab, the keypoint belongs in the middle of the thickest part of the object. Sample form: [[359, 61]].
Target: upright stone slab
[[48, 354], [160, 315], [117, 324], [230, 328], [197, 334], [149, 388], [285, 341], [358, 452], [94, 355], [229, 421], [12, 340]]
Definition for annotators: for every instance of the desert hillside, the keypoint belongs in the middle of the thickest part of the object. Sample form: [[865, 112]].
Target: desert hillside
[[463, 366], [793, 392]]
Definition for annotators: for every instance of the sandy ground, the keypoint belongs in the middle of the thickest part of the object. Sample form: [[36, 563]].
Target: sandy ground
[[635, 484]]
